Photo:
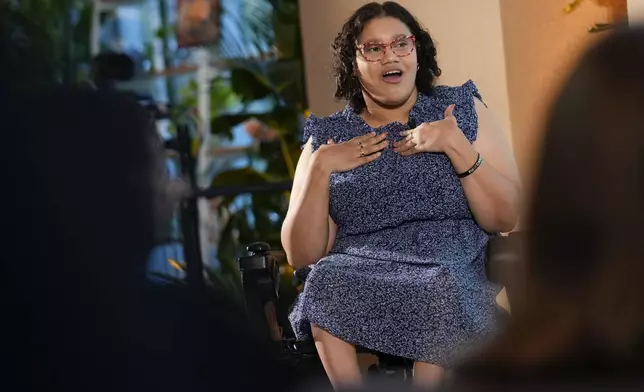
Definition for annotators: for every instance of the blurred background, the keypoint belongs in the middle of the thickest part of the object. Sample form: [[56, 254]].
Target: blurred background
[[239, 77]]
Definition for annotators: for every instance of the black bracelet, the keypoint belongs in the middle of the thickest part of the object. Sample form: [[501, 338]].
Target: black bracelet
[[479, 160]]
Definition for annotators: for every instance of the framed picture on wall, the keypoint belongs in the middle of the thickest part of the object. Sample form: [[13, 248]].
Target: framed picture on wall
[[198, 22]]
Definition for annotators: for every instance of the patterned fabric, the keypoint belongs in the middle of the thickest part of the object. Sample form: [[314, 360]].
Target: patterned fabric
[[406, 275]]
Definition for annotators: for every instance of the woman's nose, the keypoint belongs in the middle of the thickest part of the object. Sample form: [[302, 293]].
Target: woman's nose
[[389, 57]]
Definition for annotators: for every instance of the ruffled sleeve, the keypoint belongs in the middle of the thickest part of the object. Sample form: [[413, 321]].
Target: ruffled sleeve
[[463, 97], [471, 89], [468, 120], [313, 130]]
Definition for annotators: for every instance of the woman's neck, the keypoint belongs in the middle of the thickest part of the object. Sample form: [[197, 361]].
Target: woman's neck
[[377, 115]]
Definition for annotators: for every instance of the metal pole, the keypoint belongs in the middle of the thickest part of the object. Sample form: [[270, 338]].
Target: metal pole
[[234, 190], [167, 53], [190, 214]]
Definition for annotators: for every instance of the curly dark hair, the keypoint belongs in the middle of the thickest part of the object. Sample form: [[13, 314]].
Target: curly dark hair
[[347, 85]]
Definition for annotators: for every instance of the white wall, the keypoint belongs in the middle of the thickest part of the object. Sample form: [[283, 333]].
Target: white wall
[[635, 10]]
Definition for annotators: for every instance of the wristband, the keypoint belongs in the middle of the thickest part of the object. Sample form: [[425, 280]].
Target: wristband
[[479, 160]]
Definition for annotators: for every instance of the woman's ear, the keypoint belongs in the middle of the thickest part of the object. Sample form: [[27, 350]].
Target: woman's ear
[[356, 70]]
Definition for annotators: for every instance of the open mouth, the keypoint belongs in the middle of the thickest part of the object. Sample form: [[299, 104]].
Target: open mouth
[[393, 76]]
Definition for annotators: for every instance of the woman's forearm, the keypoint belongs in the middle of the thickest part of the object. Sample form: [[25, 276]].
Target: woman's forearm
[[305, 232], [492, 197]]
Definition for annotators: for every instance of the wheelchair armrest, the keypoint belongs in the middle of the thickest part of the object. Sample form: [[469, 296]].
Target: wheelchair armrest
[[260, 271], [505, 264], [300, 275], [260, 280]]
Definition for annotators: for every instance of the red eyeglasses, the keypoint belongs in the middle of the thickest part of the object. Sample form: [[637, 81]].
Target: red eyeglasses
[[374, 51]]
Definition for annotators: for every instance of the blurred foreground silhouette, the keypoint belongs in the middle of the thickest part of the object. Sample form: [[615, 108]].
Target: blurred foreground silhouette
[[583, 323]]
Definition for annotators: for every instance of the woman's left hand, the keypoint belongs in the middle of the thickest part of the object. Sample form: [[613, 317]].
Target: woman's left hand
[[428, 137]]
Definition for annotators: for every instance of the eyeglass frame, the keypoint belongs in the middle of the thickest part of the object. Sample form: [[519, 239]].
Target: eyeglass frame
[[384, 47]]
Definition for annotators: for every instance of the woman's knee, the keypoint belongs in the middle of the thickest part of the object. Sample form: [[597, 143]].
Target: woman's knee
[[324, 341], [428, 374], [338, 358], [320, 334]]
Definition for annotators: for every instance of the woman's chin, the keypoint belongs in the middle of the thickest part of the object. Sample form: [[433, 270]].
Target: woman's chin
[[390, 95], [395, 99]]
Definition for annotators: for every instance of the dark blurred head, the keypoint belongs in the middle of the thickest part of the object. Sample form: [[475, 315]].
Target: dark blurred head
[[109, 68], [588, 207], [85, 169], [83, 183], [585, 305], [83, 190], [86, 179]]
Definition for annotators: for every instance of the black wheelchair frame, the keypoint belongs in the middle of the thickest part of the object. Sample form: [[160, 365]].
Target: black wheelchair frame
[[260, 270]]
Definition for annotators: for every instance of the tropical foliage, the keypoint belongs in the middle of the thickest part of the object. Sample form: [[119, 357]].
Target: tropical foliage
[[59, 28], [618, 8], [267, 70]]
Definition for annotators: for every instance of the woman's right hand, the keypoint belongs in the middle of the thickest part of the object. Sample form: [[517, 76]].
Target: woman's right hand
[[342, 157]]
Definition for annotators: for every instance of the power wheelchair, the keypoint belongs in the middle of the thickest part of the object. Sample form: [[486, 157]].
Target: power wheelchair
[[260, 273]]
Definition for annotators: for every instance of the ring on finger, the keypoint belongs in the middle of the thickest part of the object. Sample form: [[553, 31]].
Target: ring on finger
[[361, 152]]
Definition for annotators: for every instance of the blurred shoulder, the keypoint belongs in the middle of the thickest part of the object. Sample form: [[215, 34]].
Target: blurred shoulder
[[320, 129], [337, 119]]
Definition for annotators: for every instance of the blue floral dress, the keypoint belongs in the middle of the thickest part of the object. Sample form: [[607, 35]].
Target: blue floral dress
[[406, 275]]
